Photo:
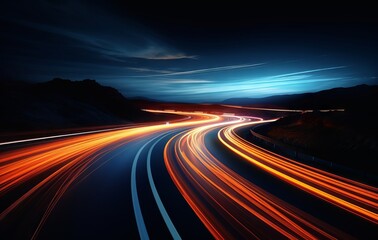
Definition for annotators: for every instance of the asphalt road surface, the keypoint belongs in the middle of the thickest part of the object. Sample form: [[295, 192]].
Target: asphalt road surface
[[191, 179]]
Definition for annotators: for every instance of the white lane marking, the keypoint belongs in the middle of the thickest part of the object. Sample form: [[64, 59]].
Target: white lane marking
[[143, 234], [163, 212], [62, 135]]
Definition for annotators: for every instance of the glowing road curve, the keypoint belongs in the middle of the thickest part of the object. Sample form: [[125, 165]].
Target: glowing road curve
[[151, 181]]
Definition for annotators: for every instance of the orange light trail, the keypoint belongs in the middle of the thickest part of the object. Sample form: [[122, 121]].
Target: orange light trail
[[228, 205], [355, 197], [53, 167]]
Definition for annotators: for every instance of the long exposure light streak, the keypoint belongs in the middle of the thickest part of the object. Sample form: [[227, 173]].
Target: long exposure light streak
[[355, 197], [53, 167], [229, 205]]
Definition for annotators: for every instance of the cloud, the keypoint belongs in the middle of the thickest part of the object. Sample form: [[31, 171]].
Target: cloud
[[117, 48], [164, 55], [154, 51], [294, 76], [262, 86], [204, 70], [187, 81], [310, 71], [143, 70], [105, 35]]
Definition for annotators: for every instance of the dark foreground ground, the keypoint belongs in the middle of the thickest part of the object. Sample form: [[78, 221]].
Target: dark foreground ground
[[349, 138]]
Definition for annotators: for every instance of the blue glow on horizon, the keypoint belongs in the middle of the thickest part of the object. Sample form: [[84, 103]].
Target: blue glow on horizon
[[216, 86]]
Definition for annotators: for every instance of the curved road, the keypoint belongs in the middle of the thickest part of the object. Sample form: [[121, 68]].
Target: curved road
[[190, 179]]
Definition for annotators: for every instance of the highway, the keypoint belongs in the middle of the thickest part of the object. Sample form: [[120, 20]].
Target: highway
[[191, 179]]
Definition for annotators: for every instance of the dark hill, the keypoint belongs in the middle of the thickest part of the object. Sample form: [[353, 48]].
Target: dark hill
[[346, 138], [105, 99], [63, 103], [354, 98]]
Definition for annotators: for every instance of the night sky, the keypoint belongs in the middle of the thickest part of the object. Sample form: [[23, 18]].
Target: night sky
[[190, 52]]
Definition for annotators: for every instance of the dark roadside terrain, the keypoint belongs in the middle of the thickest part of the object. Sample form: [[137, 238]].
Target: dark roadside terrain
[[349, 138], [61, 106], [212, 108], [361, 97]]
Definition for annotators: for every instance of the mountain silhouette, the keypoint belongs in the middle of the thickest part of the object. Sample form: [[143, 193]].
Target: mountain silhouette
[[62, 103], [358, 97]]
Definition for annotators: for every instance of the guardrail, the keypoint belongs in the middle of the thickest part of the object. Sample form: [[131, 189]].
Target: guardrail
[[297, 154]]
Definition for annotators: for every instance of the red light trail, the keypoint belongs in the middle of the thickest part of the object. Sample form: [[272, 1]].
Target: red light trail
[[229, 205], [53, 167], [204, 181], [358, 198]]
